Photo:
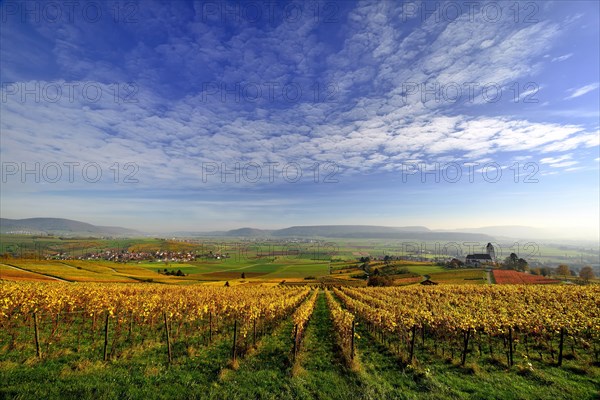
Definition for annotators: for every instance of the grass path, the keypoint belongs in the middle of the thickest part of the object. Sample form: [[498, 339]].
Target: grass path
[[320, 373], [270, 373]]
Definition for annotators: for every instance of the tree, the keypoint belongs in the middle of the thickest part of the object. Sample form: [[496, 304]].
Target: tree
[[365, 266], [455, 263], [511, 262], [522, 265], [563, 270], [586, 273], [379, 280], [227, 284]]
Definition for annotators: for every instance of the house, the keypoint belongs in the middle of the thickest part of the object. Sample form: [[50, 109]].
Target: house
[[475, 260]]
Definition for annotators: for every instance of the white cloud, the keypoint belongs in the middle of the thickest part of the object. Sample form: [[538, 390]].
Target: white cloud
[[583, 139], [534, 90], [562, 58], [369, 127], [576, 92], [563, 164], [172, 149], [553, 160]]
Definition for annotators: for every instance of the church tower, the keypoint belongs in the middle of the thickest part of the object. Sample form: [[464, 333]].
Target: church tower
[[491, 252]]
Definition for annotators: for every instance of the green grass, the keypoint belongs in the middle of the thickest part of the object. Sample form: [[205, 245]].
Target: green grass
[[146, 375], [318, 373], [184, 267], [424, 269], [264, 373], [301, 270]]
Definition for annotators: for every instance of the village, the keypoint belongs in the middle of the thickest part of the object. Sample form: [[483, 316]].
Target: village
[[125, 256]]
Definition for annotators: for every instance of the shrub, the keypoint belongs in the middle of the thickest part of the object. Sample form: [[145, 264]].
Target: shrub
[[379, 280]]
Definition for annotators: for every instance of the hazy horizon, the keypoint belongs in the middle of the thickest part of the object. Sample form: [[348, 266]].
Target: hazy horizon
[[500, 231]]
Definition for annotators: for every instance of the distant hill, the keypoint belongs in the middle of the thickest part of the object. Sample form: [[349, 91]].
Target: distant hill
[[488, 234], [509, 231], [352, 231], [375, 232], [61, 226], [68, 227], [346, 231], [249, 232]]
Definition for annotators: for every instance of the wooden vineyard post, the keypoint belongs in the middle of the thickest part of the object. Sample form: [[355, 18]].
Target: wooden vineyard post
[[234, 347], [254, 333], [510, 347], [130, 325], [352, 340], [423, 338], [38, 351], [295, 340], [560, 346], [210, 327], [466, 346], [168, 337], [412, 344], [105, 352]]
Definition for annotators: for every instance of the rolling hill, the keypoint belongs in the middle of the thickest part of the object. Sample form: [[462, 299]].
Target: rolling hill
[[358, 232], [68, 227], [61, 226]]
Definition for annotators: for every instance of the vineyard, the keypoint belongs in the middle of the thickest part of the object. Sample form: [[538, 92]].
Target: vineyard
[[65, 315], [481, 320], [432, 338], [510, 277]]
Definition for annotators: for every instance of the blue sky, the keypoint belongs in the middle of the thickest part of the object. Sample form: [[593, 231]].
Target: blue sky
[[216, 115]]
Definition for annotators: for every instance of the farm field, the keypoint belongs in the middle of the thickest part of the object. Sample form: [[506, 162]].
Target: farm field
[[325, 249], [265, 269], [107, 341], [74, 272], [12, 273], [255, 271], [470, 276], [508, 277]]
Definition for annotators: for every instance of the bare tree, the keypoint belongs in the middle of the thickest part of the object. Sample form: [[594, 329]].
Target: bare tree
[[563, 270], [586, 273]]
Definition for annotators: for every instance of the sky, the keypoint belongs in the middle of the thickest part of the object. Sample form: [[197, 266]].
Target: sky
[[198, 116]]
